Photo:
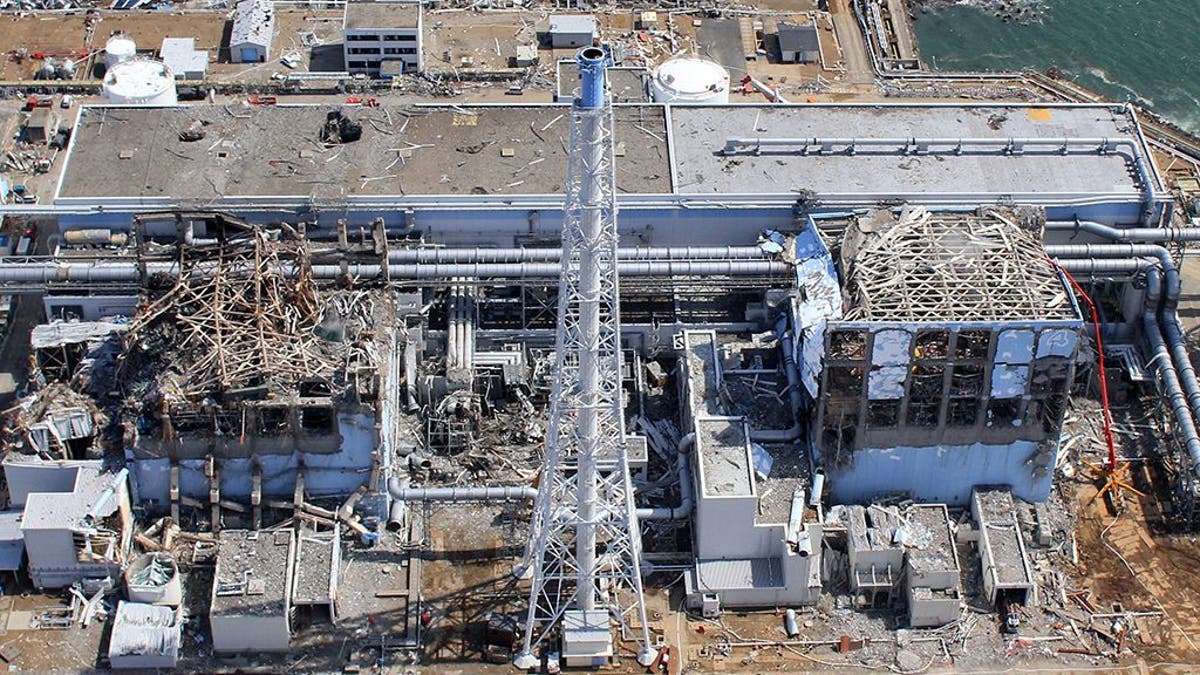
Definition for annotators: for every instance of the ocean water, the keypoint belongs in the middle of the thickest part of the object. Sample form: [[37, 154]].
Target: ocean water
[[1142, 50]]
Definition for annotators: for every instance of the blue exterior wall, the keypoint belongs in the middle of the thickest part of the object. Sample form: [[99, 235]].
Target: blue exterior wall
[[945, 474], [326, 474]]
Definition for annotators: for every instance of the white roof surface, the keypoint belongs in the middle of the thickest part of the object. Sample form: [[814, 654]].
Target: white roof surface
[[253, 23], [692, 76], [572, 23], [145, 630], [181, 55]]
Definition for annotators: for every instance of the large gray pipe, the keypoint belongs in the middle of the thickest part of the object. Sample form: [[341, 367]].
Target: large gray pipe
[[107, 272], [399, 490], [516, 255], [1167, 370], [793, 379], [1159, 316], [1125, 251], [683, 468], [627, 268], [1127, 234], [1095, 267]]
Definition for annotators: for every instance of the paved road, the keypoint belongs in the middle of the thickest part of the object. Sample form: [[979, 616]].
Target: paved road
[[854, 47], [721, 40]]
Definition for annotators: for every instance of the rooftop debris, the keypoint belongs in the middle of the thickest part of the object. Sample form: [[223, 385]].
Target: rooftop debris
[[924, 266], [238, 323]]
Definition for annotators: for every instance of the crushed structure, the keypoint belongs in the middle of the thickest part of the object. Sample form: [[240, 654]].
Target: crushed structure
[[964, 372], [309, 351]]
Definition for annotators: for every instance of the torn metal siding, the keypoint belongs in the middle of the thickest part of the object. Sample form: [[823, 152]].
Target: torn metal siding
[[819, 299]]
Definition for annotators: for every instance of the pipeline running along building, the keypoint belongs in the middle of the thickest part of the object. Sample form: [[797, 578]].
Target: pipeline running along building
[[261, 306]]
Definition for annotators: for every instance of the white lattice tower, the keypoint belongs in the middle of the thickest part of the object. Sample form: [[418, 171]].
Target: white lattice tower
[[585, 551]]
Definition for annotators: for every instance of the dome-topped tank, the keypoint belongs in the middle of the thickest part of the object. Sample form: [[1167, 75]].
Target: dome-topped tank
[[690, 80], [140, 82], [119, 49]]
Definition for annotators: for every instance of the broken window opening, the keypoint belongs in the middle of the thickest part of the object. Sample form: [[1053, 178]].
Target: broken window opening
[[844, 381], [229, 422], [850, 345], [1049, 376], [972, 344], [966, 380], [273, 421], [1053, 409], [837, 437], [883, 414], [928, 383], [962, 412], [1003, 412], [924, 415], [315, 389], [931, 345], [317, 419]]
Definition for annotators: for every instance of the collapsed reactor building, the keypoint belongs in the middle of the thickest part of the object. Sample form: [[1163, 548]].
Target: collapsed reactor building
[[837, 325]]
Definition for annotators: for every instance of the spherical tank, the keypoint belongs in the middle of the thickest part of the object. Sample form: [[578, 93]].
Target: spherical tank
[[690, 80], [140, 82], [119, 49]]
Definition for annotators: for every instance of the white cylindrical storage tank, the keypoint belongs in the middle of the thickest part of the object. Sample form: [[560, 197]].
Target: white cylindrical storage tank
[[140, 82], [690, 80], [119, 49]]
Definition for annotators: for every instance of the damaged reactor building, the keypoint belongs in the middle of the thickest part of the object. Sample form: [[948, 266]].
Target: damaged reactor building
[[843, 345]]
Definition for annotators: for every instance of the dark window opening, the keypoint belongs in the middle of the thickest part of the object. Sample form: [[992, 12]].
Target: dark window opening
[[230, 422], [185, 424], [962, 412], [923, 415], [883, 414], [1049, 376], [972, 344], [1053, 409], [837, 436], [849, 345], [272, 421], [966, 380], [1003, 412], [927, 382], [844, 381], [931, 345], [315, 389], [77, 448], [317, 419]]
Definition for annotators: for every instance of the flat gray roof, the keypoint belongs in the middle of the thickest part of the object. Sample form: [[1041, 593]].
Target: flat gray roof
[[55, 510], [253, 572], [930, 544], [404, 150], [250, 151], [798, 37], [702, 169], [382, 14], [721, 442], [572, 23]]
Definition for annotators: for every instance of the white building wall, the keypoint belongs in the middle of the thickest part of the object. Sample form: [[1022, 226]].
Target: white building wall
[[377, 50], [242, 633], [51, 554], [724, 529], [89, 307]]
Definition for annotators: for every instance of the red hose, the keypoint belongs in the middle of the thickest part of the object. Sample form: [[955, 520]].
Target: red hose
[[1108, 434]]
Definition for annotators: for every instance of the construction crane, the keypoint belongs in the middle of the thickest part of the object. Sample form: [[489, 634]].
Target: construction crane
[[584, 550]]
